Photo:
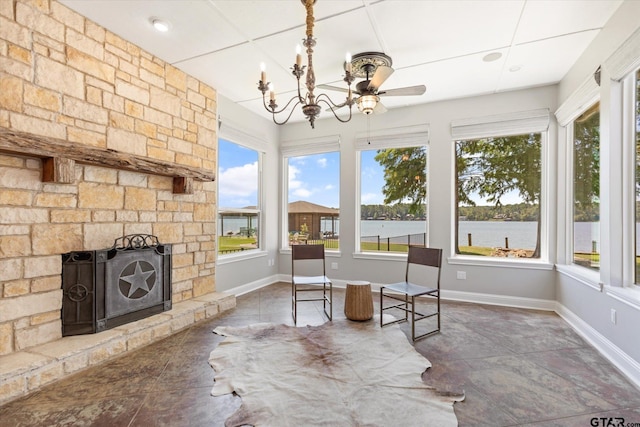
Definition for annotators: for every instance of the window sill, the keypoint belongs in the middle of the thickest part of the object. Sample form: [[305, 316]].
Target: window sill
[[241, 256], [387, 256], [328, 253], [499, 262], [582, 275], [628, 295]]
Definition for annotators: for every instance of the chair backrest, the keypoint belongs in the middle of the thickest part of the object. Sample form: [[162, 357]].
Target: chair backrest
[[307, 252], [428, 257]]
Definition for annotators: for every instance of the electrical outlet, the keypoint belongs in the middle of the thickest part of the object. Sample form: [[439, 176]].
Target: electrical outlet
[[461, 275], [334, 265], [613, 316]]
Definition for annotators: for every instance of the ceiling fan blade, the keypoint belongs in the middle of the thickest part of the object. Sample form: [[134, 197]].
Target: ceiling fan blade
[[379, 108], [336, 88], [382, 73], [404, 91]]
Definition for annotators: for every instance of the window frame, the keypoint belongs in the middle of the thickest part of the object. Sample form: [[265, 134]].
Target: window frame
[[570, 218], [403, 137], [501, 125], [587, 94], [629, 234], [236, 136], [298, 148]]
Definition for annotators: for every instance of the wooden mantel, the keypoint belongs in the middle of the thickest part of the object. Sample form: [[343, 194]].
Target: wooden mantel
[[59, 157]]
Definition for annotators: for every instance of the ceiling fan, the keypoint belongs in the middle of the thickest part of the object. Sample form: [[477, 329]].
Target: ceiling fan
[[375, 68]]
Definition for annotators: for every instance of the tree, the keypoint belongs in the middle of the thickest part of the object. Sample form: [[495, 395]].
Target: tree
[[494, 167], [489, 167], [638, 142], [586, 165], [405, 176]]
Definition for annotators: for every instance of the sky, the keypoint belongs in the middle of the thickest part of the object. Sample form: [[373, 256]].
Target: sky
[[314, 178], [237, 175]]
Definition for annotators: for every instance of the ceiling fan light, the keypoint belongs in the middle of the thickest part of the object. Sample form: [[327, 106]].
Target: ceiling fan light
[[367, 103]]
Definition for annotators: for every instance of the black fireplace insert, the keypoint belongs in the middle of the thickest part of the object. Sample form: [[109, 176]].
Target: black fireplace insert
[[106, 288]]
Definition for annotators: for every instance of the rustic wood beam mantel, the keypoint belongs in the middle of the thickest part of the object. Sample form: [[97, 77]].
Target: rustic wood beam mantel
[[59, 156]]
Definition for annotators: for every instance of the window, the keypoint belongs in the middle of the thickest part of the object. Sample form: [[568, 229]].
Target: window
[[586, 189], [312, 176], [393, 192], [500, 192], [238, 198], [313, 199], [499, 196], [637, 180]]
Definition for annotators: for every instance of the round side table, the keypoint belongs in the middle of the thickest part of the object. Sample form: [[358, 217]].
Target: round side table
[[358, 303]]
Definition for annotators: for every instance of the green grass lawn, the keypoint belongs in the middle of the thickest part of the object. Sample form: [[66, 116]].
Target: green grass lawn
[[233, 243], [373, 246], [236, 243], [475, 250]]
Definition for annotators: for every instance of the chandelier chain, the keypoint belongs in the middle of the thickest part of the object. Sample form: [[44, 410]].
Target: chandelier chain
[[309, 102]]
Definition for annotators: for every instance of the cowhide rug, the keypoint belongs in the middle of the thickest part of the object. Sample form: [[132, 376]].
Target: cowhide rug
[[341, 373]]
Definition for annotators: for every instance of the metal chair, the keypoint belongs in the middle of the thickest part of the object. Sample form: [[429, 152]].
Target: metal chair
[[310, 260], [420, 262]]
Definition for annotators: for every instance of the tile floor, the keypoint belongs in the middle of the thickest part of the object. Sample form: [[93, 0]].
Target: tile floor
[[517, 367]]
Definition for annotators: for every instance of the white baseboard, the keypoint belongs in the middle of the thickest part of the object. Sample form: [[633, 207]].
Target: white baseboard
[[255, 285], [621, 360], [504, 300]]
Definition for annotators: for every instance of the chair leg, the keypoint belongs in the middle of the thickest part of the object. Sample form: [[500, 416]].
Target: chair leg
[[381, 309], [438, 297], [406, 307], [413, 318], [294, 303], [331, 302]]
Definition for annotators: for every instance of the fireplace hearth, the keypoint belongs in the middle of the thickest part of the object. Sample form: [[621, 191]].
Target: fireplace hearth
[[106, 288]]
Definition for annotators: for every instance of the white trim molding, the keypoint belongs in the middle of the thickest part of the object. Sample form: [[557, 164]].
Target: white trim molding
[[310, 146], [625, 59], [407, 136], [582, 98], [516, 123], [621, 360], [234, 133], [257, 284], [501, 300]]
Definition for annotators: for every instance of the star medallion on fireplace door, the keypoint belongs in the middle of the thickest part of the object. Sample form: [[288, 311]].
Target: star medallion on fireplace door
[[137, 279]]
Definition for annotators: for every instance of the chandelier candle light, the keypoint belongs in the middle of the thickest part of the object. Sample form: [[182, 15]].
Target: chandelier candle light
[[310, 102]]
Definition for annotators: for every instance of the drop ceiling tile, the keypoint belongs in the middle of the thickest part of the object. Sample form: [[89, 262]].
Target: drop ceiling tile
[[426, 31], [235, 72], [544, 62], [453, 78], [196, 27], [261, 18], [550, 18]]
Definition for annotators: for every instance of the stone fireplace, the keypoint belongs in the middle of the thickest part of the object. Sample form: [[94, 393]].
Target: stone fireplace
[[98, 139]]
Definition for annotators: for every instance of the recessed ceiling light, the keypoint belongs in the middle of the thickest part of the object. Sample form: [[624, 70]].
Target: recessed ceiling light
[[160, 25], [490, 57], [515, 68]]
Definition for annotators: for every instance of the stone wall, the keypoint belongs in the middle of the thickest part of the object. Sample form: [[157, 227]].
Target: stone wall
[[63, 76]]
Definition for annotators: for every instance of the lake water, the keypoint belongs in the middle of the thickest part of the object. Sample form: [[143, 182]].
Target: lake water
[[521, 234]]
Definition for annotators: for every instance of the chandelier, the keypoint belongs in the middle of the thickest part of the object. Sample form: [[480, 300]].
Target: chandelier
[[310, 102]]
